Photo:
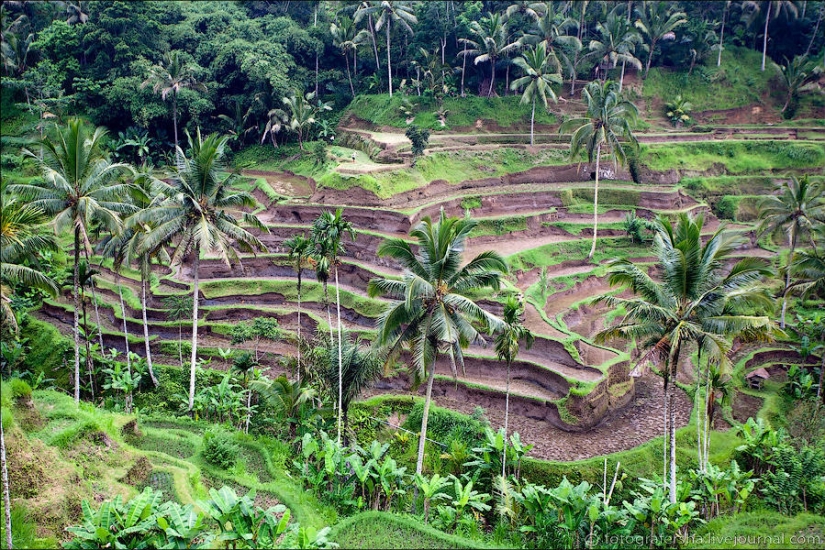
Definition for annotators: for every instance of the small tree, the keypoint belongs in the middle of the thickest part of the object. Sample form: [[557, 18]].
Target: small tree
[[260, 327], [419, 138]]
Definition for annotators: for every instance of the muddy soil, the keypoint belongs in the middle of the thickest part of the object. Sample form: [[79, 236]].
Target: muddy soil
[[745, 406]]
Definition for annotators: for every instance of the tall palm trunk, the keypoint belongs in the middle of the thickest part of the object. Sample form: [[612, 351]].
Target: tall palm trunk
[[76, 319], [532, 120], [125, 327], [419, 463], [180, 342], [463, 68], [94, 297], [492, 77], [595, 202], [816, 30], [340, 355], [144, 268], [721, 38], [819, 392], [194, 333], [621, 77], [389, 63], [175, 116], [299, 324], [506, 420], [349, 75], [765, 35], [248, 409], [670, 411], [649, 58], [6, 490], [374, 43], [792, 239]]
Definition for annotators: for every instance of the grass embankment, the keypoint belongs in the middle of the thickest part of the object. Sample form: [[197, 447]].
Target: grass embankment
[[385, 530], [506, 112], [737, 83], [737, 157]]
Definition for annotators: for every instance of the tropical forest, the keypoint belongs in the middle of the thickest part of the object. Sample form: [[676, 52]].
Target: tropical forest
[[412, 274]]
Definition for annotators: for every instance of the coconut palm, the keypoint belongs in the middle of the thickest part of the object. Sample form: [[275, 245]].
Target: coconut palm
[[179, 308], [431, 311], [617, 41], [507, 346], [657, 22], [721, 45], [300, 115], [199, 214], [537, 81], [772, 9], [550, 28], [697, 301], [809, 268], [389, 13], [171, 76], [300, 249], [328, 232], [797, 75], [80, 187], [609, 120], [794, 210], [491, 44], [22, 237], [285, 397], [347, 38]]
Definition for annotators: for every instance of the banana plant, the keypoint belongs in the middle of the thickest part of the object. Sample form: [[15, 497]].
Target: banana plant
[[517, 450], [467, 497], [182, 525], [364, 472], [241, 523], [125, 382], [119, 525], [431, 489], [391, 480]]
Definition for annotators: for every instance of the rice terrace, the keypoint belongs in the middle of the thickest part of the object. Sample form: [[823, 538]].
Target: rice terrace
[[406, 274]]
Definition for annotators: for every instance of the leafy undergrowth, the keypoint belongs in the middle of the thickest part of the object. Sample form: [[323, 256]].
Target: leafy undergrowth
[[385, 530], [761, 529], [737, 157]]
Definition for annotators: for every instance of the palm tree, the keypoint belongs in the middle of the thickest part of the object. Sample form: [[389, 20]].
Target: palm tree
[[721, 45], [171, 76], [610, 118], [617, 42], [300, 249], [178, 308], [772, 10], [285, 397], [507, 346], [550, 29], [364, 10], [22, 238], [537, 81], [431, 311], [391, 12], [328, 231], [199, 214], [80, 187], [657, 21], [349, 373], [697, 301], [809, 267], [299, 116], [795, 76], [347, 38], [492, 43], [793, 210]]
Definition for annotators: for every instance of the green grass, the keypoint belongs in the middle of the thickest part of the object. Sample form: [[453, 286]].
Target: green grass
[[738, 157], [556, 253], [737, 83], [385, 530], [505, 111], [760, 529]]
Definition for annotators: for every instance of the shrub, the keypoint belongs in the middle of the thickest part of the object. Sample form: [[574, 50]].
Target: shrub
[[20, 390], [218, 448], [444, 424]]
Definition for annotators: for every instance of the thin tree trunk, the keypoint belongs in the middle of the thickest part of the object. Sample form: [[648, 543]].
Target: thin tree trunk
[[816, 30], [595, 202], [340, 354], [299, 324], [533, 121], [664, 438], [194, 364], [389, 62], [94, 297], [463, 68], [6, 490], [419, 463], [819, 392], [721, 37], [374, 44], [125, 327], [349, 75], [621, 77], [506, 420], [89, 361], [787, 278], [143, 275], [248, 409], [76, 319], [672, 429], [180, 342], [765, 36], [649, 58], [699, 412], [175, 118], [507, 79], [709, 421]]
